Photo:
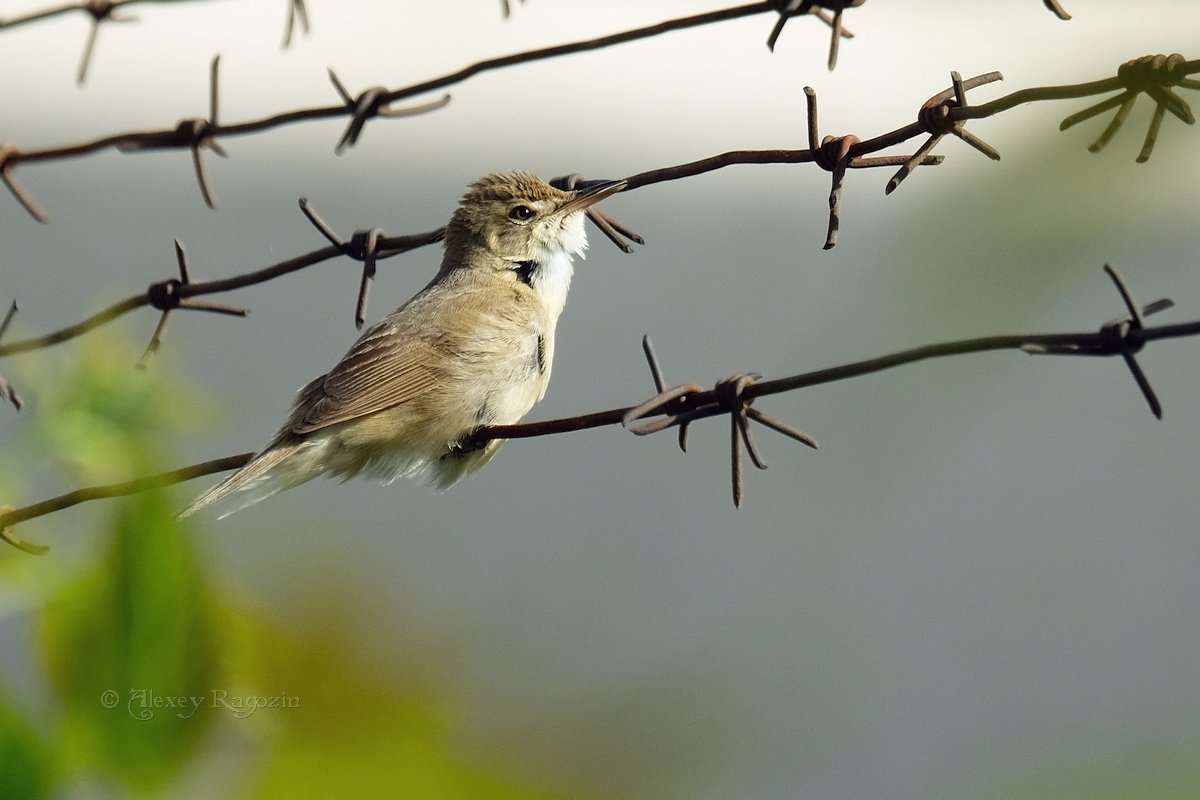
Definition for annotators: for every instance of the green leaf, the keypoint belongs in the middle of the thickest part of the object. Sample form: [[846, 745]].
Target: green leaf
[[96, 414], [131, 650], [25, 769]]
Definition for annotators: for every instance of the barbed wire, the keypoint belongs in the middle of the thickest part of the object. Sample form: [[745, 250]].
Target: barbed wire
[[196, 133], [10, 516], [7, 392], [97, 11], [193, 133], [943, 114], [682, 405], [297, 16], [174, 293]]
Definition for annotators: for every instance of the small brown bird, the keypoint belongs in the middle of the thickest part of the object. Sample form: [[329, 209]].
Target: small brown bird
[[473, 348]]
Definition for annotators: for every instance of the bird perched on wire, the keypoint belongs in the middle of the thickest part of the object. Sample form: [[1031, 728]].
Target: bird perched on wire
[[473, 348]]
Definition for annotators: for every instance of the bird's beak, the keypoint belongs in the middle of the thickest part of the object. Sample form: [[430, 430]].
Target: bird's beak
[[593, 194]]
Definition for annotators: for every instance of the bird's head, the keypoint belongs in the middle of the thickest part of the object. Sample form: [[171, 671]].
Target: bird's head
[[518, 218]]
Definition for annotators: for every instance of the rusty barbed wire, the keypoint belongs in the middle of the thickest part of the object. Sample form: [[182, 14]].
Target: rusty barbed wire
[[10, 516], [1137, 77], [193, 133], [1118, 337], [175, 293], [297, 15], [833, 154], [936, 120], [828, 11], [99, 11], [196, 134], [372, 103], [7, 392], [672, 404], [683, 405], [366, 245], [7, 151], [944, 113], [165, 296], [1057, 9], [363, 246], [359, 109], [1154, 76]]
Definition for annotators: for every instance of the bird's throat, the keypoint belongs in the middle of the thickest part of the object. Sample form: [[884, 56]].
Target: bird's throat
[[550, 277], [524, 271]]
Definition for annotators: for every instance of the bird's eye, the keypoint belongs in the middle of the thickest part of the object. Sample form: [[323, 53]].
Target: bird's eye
[[520, 213]]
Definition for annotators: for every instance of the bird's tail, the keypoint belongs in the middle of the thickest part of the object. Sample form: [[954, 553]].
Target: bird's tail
[[274, 469]]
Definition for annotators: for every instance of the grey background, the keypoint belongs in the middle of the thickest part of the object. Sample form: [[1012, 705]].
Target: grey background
[[982, 585]]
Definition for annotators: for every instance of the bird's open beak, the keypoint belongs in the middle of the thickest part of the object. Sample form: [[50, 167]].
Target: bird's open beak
[[593, 194]]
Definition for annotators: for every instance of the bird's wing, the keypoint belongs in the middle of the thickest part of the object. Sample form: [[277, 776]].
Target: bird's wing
[[383, 369]]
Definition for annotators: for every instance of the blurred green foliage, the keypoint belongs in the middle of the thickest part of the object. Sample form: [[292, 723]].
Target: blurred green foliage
[[356, 737], [151, 666], [103, 419], [130, 640], [24, 757]]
